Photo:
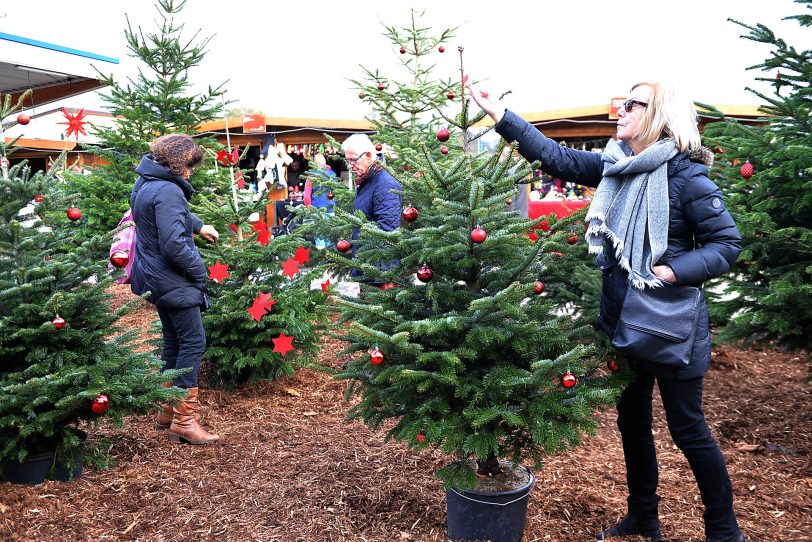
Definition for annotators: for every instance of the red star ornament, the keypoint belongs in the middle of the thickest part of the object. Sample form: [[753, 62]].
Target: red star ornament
[[219, 272], [302, 255], [325, 285], [266, 299], [226, 158], [257, 310], [290, 267], [263, 237], [76, 123], [282, 344]]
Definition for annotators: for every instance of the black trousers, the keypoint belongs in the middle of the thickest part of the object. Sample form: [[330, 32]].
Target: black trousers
[[682, 400], [184, 343]]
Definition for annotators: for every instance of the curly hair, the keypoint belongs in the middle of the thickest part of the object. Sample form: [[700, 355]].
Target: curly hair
[[177, 152]]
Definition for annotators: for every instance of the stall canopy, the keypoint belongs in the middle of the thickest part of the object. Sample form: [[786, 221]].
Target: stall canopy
[[53, 72]]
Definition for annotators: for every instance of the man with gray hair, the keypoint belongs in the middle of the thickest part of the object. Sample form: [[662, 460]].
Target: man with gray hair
[[377, 192]]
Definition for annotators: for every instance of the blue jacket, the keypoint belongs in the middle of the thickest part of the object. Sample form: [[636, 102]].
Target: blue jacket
[[319, 195], [702, 238], [375, 198], [167, 262]]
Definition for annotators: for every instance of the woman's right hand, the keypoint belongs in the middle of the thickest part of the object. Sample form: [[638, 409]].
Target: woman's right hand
[[483, 100]]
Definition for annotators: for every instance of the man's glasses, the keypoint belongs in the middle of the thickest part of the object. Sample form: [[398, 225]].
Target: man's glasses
[[351, 161], [628, 105]]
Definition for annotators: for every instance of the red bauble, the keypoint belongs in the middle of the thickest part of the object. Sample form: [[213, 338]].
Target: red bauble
[[720, 150], [379, 147], [119, 258], [23, 119], [343, 245], [361, 94], [100, 404], [38, 198], [443, 135], [450, 95], [747, 170], [478, 235], [569, 380], [381, 86], [441, 49], [403, 50], [557, 255], [58, 322], [538, 289], [74, 214], [420, 437], [612, 365], [508, 201], [410, 214], [375, 356], [330, 195], [572, 239], [545, 225], [425, 273], [444, 150]]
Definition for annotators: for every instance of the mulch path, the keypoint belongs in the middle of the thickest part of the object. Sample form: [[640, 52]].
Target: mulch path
[[289, 468]]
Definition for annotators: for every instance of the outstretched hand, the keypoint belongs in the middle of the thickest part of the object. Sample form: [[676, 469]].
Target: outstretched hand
[[483, 100], [209, 232]]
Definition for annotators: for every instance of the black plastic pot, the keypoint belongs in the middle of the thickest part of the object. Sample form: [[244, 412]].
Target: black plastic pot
[[67, 465], [32, 471], [495, 516]]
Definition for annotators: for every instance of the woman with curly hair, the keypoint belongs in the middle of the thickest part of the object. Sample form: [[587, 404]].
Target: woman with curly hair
[[169, 267]]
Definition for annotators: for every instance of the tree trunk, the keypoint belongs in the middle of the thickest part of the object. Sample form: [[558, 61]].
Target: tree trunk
[[488, 467]]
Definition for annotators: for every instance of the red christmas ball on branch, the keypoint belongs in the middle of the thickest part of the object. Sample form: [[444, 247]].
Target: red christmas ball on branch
[[343, 245], [100, 404], [381, 86], [119, 258], [441, 49], [569, 380], [375, 356], [58, 322], [379, 147], [410, 214], [74, 214], [38, 198], [361, 94], [419, 438], [747, 170], [450, 95], [612, 365], [403, 50], [330, 195], [23, 119], [444, 150], [443, 135], [425, 273], [478, 235], [572, 239], [538, 288]]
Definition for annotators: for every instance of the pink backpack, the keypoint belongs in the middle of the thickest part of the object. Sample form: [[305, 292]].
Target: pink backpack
[[124, 240]]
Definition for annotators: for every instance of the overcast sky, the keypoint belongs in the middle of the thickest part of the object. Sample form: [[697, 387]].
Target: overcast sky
[[293, 58]]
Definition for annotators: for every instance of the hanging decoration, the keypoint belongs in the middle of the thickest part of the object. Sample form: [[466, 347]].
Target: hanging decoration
[[282, 344], [76, 123], [218, 272]]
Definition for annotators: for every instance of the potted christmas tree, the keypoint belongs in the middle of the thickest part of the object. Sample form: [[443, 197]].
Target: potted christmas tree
[[63, 359], [468, 354]]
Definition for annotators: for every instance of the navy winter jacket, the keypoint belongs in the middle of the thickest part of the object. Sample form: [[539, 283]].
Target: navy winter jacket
[[702, 238], [167, 262], [378, 197]]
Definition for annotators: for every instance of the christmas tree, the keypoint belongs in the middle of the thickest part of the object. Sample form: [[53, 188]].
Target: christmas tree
[[63, 358], [157, 102], [768, 188], [264, 314], [468, 353]]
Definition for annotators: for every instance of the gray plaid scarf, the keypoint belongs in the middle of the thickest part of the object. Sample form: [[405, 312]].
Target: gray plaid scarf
[[630, 209]]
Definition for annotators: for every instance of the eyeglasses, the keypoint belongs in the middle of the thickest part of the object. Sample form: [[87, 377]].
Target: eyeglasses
[[351, 161], [628, 105]]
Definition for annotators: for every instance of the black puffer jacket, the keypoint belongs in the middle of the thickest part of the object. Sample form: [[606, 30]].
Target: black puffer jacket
[[702, 238], [167, 262]]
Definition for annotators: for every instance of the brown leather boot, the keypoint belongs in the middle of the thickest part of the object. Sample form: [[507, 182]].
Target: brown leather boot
[[164, 419], [185, 427]]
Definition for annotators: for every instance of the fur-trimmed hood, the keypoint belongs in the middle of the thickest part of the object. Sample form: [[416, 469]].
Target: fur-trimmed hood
[[702, 155]]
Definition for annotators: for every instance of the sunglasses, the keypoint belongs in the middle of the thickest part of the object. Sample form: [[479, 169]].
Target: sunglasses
[[628, 105]]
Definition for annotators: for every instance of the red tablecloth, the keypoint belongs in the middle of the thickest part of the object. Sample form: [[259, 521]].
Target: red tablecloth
[[561, 208]]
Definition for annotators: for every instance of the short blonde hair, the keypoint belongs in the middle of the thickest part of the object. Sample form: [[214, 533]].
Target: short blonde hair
[[360, 143], [668, 115]]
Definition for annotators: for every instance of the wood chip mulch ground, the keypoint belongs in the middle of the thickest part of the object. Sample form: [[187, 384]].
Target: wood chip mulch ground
[[289, 468]]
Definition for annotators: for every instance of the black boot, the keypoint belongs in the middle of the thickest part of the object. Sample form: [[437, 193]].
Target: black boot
[[634, 525], [737, 538]]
